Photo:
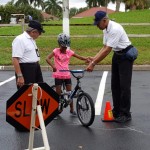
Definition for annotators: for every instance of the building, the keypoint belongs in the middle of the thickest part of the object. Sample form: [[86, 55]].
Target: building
[[48, 17], [90, 12]]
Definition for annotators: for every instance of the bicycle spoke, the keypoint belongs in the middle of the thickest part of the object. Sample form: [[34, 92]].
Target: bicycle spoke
[[85, 109]]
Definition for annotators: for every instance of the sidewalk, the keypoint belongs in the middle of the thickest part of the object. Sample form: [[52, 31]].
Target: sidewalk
[[97, 67]]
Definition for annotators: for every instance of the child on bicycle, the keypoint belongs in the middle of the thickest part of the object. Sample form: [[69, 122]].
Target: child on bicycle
[[62, 57]]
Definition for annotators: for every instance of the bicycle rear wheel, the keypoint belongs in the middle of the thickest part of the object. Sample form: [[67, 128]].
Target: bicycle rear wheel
[[85, 109]]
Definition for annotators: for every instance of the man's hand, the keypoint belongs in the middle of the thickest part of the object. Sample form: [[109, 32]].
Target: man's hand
[[20, 81], [88, 60]]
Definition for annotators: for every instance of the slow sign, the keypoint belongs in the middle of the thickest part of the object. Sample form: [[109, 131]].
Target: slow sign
[[19, 106]]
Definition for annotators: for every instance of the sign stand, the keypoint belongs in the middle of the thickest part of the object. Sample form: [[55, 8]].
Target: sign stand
[[41, 120]]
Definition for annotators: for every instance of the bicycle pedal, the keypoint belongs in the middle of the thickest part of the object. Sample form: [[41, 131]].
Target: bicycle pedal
[[65, 105]]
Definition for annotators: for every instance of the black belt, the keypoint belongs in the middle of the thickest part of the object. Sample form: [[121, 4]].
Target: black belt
[[33, 63], [123, 51]]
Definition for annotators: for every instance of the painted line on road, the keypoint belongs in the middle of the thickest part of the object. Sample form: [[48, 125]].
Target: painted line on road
[[8, 80], [100, 95]]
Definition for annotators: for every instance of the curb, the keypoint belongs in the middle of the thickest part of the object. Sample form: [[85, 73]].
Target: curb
[[97, 67]]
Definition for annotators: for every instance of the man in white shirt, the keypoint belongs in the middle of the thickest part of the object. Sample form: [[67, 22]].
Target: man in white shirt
[[116, 39], [25, 55]]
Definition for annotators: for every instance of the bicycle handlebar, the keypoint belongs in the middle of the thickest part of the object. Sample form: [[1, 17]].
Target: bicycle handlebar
[[75, 71]]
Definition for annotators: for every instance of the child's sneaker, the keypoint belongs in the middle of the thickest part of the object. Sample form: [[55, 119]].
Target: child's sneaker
[[73, 113]]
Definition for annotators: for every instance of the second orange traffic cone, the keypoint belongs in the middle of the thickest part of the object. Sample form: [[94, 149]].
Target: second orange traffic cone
[[108, 115]]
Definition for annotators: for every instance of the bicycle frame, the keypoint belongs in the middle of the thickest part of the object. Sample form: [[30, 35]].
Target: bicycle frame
[[77, 87], [75, 90]]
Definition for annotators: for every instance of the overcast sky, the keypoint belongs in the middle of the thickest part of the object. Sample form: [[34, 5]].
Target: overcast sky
[[77, 4], [72, 3]]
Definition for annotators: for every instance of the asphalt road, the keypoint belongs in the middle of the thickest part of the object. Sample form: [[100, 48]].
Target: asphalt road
[[66, 133]]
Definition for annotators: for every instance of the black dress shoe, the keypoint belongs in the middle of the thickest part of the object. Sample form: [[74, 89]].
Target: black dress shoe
[[115, 114], [123, 118]]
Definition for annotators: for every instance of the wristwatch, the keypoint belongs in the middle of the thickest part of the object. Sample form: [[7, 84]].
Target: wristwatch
[[93, 63], [19, 75]]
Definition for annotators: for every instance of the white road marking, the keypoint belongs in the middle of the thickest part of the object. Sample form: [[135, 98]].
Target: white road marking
[[100, 95], [8, 80]]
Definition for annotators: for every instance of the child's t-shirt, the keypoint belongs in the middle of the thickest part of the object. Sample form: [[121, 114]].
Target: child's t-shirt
[[61, 62]]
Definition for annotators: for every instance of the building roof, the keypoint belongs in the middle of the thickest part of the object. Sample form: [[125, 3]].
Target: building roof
[[90, 12], [47, 16]]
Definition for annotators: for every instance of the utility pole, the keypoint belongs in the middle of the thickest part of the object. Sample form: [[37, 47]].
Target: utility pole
[[66, 29]]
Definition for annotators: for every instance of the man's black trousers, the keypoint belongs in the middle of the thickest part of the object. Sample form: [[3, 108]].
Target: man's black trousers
[[31, 73], [121, 84]]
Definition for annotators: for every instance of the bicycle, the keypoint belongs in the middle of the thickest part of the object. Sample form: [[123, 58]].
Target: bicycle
[[84, 105]]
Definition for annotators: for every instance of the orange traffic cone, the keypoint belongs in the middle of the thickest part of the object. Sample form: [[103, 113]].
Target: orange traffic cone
[[108, 115]]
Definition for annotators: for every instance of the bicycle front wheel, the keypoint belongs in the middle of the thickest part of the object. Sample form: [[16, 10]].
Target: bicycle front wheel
[[85, 109]]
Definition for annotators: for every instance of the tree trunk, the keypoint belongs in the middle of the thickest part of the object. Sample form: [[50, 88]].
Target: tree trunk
[[117, 5], [133, 7]]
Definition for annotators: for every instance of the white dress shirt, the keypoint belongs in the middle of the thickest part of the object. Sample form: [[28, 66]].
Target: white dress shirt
[[115, 36], [25, 47]]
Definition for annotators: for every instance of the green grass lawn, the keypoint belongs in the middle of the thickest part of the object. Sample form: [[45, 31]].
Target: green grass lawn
[[83, 46]]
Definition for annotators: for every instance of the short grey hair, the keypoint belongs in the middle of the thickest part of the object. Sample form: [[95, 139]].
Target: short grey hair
[[106, 17], [29, 29]]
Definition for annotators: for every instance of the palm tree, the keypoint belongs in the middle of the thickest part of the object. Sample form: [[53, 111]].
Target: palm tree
[[37, 3], [136, 4], [53, 7], [96, 3], [21, 2], [129, 4]]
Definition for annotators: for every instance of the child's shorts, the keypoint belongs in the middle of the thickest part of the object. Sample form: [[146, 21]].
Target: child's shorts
[[60, 81]]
